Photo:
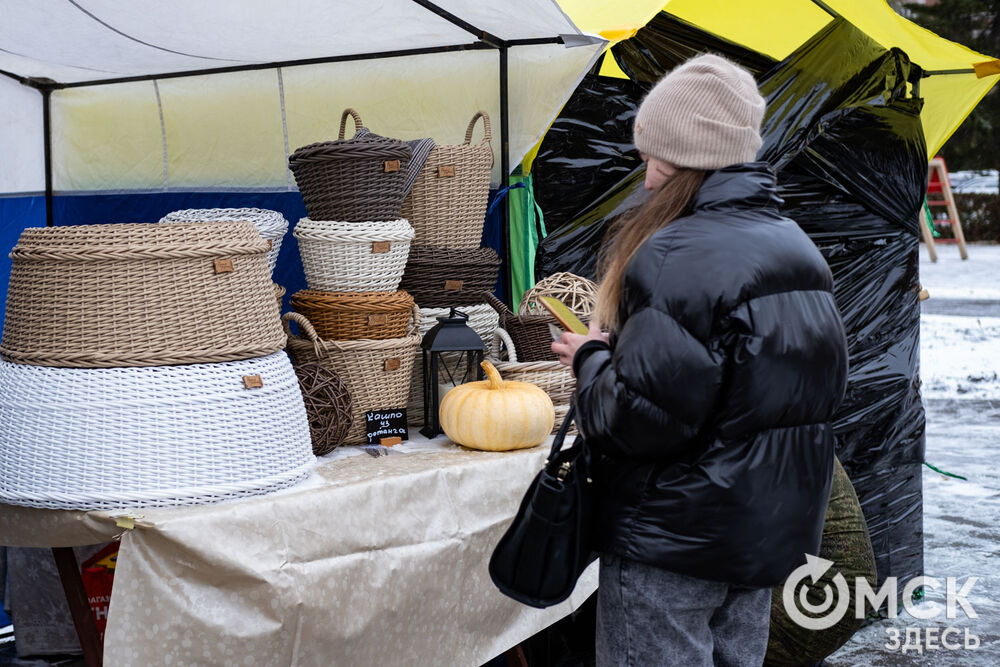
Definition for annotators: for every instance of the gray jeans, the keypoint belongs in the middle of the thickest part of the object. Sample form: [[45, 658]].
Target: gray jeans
[[649, 617]]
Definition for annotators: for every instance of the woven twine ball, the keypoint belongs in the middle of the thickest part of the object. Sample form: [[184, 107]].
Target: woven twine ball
[[328, 406], [578, 293]]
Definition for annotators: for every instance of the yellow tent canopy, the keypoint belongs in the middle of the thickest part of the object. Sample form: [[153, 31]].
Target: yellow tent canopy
[[959, 77]]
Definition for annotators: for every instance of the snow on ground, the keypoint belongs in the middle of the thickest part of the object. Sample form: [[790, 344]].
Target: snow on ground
[[960, 374]]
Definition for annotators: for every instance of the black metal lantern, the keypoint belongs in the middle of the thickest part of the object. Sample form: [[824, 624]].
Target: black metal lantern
[[443, 347]]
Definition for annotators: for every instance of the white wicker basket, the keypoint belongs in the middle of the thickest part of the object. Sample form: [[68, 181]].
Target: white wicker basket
[[112, 438], [270, 224], [483, 319], [354, 256]]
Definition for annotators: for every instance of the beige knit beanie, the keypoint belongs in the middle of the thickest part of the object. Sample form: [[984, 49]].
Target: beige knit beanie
[[704, 114]]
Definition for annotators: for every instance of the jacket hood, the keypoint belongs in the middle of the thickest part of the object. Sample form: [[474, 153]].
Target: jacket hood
[[740, 186]]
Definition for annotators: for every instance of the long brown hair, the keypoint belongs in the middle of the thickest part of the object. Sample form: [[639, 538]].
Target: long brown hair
[[630, 231]]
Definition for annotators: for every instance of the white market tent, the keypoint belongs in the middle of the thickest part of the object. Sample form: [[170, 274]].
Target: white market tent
[[138, 97]]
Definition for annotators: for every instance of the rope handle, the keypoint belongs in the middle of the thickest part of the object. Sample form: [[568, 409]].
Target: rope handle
[[343, 121], [319, 345], [472, 126], [502, 334]]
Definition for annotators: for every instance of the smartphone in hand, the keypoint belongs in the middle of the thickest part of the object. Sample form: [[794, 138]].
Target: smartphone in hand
[[566, 318]]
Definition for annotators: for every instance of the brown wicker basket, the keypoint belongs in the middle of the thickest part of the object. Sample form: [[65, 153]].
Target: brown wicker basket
[[447, 203], [355, 315], [530, 333], [444, 277], [376, 372], [352, 179], [140, 295]]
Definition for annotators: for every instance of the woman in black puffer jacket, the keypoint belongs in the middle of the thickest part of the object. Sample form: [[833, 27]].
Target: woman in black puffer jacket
[[708, 407]]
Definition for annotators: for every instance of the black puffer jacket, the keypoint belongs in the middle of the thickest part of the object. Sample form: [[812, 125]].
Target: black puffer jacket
[[710, 409]]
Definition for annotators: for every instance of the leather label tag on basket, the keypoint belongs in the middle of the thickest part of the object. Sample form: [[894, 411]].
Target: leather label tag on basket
[[223, 266], [446, 171], [453, 285], [392, 365], [380, 247], [391, 165], [378, 320], [252, 382]]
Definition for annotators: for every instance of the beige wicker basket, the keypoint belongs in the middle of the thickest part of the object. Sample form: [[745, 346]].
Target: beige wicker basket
[[377, 372], [140, 295], [447, 203], [279, 296], [354, 256], [552, 377]]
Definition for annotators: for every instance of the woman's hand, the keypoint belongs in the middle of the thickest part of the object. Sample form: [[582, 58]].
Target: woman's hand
[[569, 343]]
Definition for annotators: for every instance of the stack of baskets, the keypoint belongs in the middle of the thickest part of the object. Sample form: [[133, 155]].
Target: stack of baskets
[[354, 320], [447, 266], [527, 357], [270, 224], [142, 366]]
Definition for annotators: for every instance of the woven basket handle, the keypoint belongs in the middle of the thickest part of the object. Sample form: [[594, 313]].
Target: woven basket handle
[[319, 345], [472, 126], [414, 321], [343, 121], [499, 306], [502, 334]]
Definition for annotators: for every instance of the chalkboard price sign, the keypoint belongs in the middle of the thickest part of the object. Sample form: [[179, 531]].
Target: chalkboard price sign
[[381, 424]]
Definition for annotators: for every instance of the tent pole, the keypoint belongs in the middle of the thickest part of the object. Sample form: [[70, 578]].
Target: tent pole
[[47, 145], [505, 179]]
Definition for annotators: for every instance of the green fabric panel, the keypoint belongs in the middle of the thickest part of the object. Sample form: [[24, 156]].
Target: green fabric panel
[[524, 222]]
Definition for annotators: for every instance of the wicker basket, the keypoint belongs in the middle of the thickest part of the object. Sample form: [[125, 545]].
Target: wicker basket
[[279, 296], [447, 203], [270, 224], [552, 377], [445, 277], [355, 315], [352, 179], [353, 256], [376, 372], [140, 295], [112, 438], [482, 319], [578, 293], [530, 333]]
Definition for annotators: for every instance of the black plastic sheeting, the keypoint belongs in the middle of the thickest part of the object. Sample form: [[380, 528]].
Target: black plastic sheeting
[[843, 133]]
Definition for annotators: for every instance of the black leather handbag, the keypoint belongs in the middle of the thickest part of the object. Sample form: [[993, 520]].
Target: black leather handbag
[[550, 542]]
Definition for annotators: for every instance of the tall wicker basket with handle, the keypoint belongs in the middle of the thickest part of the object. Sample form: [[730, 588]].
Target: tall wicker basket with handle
[[447, 203]]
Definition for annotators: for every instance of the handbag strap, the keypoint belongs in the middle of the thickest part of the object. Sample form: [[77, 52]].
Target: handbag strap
[[557, 442]]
